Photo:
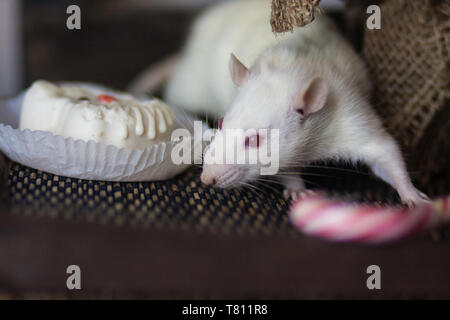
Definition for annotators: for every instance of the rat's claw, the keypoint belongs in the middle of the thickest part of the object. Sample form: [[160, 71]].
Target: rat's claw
[[410, 204], [307, 193], [424, 197], [286, 194], [294, 195], [297, 195], [417, 199]]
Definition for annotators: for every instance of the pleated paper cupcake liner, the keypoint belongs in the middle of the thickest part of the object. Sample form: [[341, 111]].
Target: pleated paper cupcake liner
[[86, 160]]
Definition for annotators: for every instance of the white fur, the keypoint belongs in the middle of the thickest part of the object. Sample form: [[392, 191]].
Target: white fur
[[280, 66]]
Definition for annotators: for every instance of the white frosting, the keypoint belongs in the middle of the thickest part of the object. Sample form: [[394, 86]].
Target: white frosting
[[79, 113]]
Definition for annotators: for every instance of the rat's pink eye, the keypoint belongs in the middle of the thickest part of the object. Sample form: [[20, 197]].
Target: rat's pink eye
[[220, 123], [253, 141]]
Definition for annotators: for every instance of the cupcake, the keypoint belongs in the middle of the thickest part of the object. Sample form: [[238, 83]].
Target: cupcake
[[83, 113]]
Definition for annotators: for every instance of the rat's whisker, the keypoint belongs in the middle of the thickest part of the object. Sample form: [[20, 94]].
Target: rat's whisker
[[266, 185], [270, 181], [254, 186], [306, 174], [187, 118], [331, 168], [250, 187]]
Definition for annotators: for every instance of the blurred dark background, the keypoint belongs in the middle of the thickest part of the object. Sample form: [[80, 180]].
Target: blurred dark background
[[117, 40]]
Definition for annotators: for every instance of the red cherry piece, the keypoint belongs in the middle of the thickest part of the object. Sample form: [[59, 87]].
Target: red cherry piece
[[104, 98], [220, 123]]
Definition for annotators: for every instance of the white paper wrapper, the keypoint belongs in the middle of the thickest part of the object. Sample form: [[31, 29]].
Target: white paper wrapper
[[85, 160]]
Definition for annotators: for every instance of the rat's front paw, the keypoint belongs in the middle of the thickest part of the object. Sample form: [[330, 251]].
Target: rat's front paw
[[297, 194], [416, 198]]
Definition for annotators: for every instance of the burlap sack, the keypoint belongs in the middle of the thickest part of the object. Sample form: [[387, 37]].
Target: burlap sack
[[409, 63], [287, 14]]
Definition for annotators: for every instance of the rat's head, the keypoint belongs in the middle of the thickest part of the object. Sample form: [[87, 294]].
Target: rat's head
[[271, 118]]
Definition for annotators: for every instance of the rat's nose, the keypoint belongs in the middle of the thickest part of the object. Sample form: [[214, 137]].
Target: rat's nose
[[208, 179]]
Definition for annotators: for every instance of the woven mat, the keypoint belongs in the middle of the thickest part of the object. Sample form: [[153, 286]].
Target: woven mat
[[183, 202]]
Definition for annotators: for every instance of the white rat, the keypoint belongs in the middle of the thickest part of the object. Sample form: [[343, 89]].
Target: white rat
[[309, 84]]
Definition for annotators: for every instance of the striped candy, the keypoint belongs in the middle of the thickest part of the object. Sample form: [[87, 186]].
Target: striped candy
[[346, 222]]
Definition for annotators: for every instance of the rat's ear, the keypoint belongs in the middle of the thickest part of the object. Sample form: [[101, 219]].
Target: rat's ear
[[311, 98], [239, 72]]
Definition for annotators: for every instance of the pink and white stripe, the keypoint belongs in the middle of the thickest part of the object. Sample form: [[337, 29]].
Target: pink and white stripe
[[347, 222]]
